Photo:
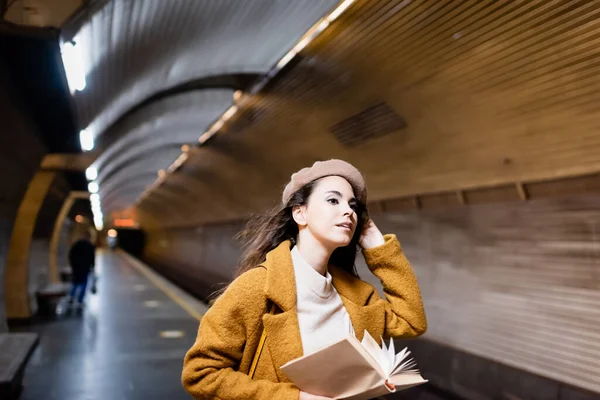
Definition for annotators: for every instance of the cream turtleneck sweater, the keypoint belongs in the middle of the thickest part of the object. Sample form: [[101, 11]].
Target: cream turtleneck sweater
[[322, 317]]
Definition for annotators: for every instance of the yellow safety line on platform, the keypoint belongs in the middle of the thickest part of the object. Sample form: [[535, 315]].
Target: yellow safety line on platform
[[161, 286]]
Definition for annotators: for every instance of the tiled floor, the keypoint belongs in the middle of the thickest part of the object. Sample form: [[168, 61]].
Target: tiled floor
[[113, 349]]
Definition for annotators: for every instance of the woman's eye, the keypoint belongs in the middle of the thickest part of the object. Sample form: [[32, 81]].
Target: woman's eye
[[354, 206], [332, 201]]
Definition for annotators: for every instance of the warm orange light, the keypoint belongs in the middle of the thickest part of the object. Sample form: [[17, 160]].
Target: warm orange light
[[79, 219], [185, 148], [127, 222], [112, 233], [161, 173]]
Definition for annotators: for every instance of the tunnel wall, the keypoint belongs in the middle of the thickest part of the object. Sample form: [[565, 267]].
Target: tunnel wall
[[20, 154], [198, 259], [516, 284]]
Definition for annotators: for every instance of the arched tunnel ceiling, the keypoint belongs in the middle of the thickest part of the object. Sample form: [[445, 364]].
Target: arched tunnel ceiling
[[491, 93], [150, 139], [135, 49], [146, 63]]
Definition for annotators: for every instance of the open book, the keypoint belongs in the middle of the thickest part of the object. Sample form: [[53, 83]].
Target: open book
[[349, 369]]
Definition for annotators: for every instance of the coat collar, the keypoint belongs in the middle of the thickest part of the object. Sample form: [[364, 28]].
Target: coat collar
[[282, 329], [281, 285]]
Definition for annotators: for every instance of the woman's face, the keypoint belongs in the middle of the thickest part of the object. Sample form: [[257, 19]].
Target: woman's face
[[330, 213]]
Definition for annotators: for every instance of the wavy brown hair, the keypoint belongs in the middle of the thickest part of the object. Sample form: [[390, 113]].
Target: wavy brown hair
[[266, 231]]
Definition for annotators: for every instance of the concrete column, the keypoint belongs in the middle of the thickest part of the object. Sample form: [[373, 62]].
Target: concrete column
[[17, 260]]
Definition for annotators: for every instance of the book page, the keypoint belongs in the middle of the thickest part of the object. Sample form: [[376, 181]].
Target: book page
[[403, 362], [380, 355], [391, 355], [339, 370]]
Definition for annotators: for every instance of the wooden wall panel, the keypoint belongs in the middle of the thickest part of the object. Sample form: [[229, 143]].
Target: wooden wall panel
[[517, 283]]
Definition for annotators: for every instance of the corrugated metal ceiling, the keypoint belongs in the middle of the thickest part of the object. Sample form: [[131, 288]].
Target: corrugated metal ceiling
[[493, 93], [134, 50]]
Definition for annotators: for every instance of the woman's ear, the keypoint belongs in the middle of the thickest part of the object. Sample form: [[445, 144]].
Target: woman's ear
[[298, 215]]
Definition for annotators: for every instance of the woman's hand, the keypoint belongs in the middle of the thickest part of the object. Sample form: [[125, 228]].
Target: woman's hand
[[308, 396], [371, 236]]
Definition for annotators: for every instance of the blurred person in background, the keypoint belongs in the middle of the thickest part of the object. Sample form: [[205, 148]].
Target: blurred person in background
[[298, 276], [82, 258]]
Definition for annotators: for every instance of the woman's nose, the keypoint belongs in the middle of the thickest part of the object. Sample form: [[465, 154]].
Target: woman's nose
[[347, 210]]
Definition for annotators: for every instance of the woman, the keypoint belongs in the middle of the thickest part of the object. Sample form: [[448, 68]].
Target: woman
[[298, 282]]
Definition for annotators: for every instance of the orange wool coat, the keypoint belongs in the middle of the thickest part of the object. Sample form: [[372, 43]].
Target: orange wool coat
[[217, 365]]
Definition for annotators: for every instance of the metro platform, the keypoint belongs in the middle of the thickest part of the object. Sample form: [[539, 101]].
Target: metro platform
[[128, 341]]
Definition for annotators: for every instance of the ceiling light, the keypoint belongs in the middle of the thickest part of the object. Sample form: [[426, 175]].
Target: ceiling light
[[98, 222], [112, 233], [87, 140], [339, 10], [93, 187], [73, 63], [91, 173], [286, 59], [229, 113], [178, 163]]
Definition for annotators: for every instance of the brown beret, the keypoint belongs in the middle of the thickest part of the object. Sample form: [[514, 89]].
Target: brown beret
[[321, 169]]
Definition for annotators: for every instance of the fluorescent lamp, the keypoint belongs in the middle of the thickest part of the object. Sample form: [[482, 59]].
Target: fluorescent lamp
[[339, 10], [87, 140], [286, 59], [93, 187], [73, 63], [229, 113], [91, 173]]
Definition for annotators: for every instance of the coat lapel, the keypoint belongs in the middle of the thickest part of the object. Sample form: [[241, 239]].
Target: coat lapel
[[283, 340], [282, 329]]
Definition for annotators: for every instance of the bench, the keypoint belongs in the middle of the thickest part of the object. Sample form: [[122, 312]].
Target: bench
[[15, 350], [66, 274], [49, 296]]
